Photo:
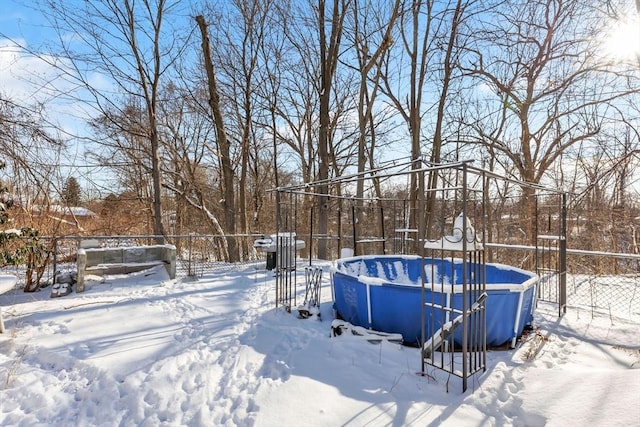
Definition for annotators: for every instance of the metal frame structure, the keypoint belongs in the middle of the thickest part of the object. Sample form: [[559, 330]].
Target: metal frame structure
[[286, 253], [460, 190], [463, 246]]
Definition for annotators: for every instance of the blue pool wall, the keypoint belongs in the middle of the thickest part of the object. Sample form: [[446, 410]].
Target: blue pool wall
[[383, 293]]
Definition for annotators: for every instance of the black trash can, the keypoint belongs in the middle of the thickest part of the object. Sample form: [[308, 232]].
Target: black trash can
[[271, 260]]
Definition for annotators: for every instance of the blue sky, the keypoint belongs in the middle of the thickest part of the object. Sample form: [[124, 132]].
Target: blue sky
[[20, 72], [26, 27], [18, 21], [22, 76]]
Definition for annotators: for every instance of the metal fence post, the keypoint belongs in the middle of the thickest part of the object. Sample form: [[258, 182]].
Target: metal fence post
[[189, 273], [562, 304]]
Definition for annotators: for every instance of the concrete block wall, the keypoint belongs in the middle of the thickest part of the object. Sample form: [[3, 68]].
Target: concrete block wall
[[123, 260]]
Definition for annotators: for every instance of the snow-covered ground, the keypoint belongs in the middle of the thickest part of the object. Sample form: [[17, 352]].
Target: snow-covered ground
[[142, 350]]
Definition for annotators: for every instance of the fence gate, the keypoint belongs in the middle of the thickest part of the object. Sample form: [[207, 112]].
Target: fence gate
[[551, 251], [286, 250]]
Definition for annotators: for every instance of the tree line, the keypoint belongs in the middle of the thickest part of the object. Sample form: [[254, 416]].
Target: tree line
[[197, 109]]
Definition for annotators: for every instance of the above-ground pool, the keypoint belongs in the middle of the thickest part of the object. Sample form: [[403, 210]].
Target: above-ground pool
[[383, 293]]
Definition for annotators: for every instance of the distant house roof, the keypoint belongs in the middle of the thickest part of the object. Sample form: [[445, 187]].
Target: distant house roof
[[75, 211], [11, 231]]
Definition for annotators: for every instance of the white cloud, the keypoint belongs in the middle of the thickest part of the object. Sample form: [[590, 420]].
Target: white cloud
[[25, 77]]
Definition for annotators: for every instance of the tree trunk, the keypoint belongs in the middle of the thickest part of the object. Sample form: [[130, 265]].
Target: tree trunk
[[328, 63], [436, 148], [223, 143], [366, 62]]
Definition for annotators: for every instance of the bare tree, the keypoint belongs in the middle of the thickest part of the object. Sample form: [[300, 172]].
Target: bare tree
[[371, 35], [329, 53], [126, 151], [222, 140], [28, 154], [451, 47], [315, 100], [187, 131], [542, 89], [238, 48], [417, 80], [416, 35], [29, 151], [124, 42]]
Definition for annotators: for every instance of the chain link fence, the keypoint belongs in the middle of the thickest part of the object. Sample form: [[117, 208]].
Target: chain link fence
[[604, 283], [600, 283], [196, 255]]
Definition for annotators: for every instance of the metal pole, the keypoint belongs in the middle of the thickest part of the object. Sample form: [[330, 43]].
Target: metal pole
[[420, 239], [562, 306], [384, 251], [278, 278], [353, 222], [465, 290], [310, 235], [55, 259]]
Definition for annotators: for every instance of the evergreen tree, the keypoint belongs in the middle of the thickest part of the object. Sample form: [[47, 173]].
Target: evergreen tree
[[71, 192]]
